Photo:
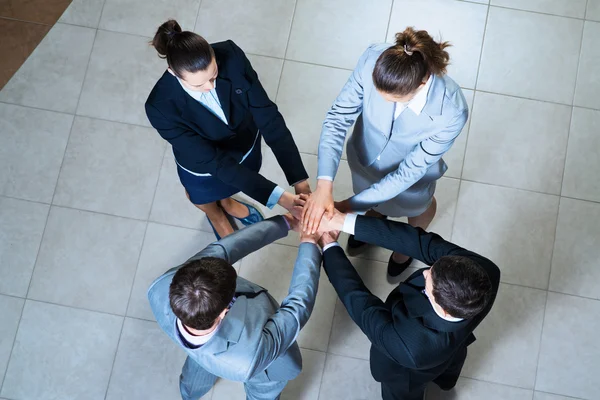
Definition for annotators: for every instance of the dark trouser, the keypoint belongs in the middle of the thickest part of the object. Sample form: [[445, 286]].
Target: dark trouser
[[416, 390]]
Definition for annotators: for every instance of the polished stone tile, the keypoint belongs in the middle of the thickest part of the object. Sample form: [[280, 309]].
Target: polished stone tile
[[21, 226], [147, 364], [269, 72], [455, 157], [83, 257], [513, 228], [110, 168], [567, 8], [123, 70], [570, 352], [548, 396], [52, 76], [577, 249], [271, 267], [588, 79], [508, 339], [257, 26], [542, 69], [336, 32], [10, 314], [460, 23], [171, 206], [165, 247], [517, 143], [303, 105], [40, 11], [582, 156], [61, 353], [348, 378], [83, 13], [18, 41], [469, 389], [142, 17], [593, 10], [33, 146]]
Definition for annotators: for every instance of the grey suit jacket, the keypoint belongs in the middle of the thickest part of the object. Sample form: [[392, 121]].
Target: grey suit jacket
[[395, 153], [257, 337]]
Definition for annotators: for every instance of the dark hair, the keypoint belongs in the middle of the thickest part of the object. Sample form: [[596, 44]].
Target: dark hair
[[401, 68], [460, 286], [201, 290], [185, 51]]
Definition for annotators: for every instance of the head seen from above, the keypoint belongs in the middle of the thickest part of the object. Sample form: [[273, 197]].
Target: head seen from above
[[404, 68], [457, 287], [201, 291], [189, 56]]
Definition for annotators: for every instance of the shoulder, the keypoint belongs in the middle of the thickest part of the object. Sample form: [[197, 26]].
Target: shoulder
[[454, 98], [163, 90], [229, 56], [371, 54]]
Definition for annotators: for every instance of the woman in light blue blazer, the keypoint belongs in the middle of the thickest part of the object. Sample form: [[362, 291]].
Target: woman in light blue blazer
[[407, 114]]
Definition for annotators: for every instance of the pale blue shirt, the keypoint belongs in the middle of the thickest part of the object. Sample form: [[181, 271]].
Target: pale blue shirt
[[210, 100]]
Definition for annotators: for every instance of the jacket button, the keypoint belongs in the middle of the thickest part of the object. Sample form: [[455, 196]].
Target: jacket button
[[238, 91]]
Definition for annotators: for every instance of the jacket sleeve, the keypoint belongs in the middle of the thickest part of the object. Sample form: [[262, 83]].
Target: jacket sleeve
[[271, 124], [283, 327], [211, 159], [343, 113], [412, 168]]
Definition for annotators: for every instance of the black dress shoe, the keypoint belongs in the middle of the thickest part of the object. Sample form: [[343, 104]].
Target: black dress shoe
[[394, 269]]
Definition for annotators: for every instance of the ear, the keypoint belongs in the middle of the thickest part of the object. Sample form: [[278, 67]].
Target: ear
[[223, 313], [170, 71]]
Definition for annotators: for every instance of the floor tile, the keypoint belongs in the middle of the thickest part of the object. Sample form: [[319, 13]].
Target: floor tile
[[455, 157], [272, 267], [534, 69], [582, 156], [52, 356], [460, 23], [111, 168], [170, 204], [52, 76], [346, 337], [469, 389], [40, 11], [18, 41], [164, 247], [336, 32], [348, 378], [33, 146], [570, 352], [83, 13], [567, 8], [10, 314], [147, 365], [269, 72], [593, 10], [577, 249], [548, 396], [508, 339], [123, 70], [304, 106], [74, 267], [142, 17], [21, 227], [517, 143], [269, 24], [588, 79], [513, 228]]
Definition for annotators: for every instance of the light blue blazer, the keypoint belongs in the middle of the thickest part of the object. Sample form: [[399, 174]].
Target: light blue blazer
[[395, 154], [257, 335]]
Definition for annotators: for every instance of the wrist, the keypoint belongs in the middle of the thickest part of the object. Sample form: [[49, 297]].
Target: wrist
[[324, 184], [286, 200]]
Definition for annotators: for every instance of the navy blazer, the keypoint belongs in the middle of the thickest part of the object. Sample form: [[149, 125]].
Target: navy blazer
[[202, 143]]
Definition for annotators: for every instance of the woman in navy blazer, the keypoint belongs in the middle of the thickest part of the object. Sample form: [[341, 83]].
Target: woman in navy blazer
[[212, 108]]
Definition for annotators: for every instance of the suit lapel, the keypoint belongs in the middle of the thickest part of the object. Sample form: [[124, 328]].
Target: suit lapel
[[224, 94], [435, 97]]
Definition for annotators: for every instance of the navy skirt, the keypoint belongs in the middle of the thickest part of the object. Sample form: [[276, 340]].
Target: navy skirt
[[208, 189]]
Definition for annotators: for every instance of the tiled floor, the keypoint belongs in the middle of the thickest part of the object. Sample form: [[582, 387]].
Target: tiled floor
[[91, 210]]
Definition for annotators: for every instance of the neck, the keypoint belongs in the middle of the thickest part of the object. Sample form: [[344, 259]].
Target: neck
[[198, 332]]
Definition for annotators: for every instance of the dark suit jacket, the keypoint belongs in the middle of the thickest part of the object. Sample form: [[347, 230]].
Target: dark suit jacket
[[410, 342], [202, 143]]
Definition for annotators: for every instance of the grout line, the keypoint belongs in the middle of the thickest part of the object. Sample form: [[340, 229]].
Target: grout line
[[387, 29], [12, 347], [197, 16], [538, 12], [29, 22], [541, 336], [322, 374], [112, 368], [287, 44], [487, 18]]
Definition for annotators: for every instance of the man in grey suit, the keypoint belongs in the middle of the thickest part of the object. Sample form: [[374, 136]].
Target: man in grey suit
[[230, 327]]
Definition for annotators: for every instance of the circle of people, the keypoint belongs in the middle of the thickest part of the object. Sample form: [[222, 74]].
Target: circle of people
[[405, 113]]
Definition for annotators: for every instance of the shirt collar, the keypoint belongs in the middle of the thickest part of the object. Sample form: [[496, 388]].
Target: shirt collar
[[194, 94], [417, 103]]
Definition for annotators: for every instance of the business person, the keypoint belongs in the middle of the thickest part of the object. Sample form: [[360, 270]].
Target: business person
[[230, 327], [212, 108], [421, 332], [408, 114]]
